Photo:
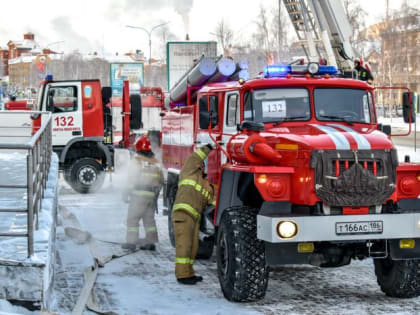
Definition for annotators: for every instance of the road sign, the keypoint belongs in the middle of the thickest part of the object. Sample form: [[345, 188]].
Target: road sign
[[132, 71], [181, 56]]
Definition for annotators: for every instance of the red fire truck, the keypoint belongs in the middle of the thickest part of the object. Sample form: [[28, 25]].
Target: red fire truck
[[82, 128], [304, 172]]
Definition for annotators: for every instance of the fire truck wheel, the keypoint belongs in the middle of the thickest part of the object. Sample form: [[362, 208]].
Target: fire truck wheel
[[398, 278], [205, 248], [85, 175], [241, 267], [171, 200]]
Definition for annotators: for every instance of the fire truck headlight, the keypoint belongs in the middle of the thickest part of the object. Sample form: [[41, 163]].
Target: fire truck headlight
[[287, 229], [262, 179], [313, 67]]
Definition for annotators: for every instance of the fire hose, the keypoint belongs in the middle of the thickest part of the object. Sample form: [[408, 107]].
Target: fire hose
[[73, 230]]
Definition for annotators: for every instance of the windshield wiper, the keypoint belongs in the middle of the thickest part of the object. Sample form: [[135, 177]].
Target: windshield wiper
[[339, 118], [279, 121]]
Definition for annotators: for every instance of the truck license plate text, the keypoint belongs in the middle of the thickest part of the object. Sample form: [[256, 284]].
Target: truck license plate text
[[352, 228]]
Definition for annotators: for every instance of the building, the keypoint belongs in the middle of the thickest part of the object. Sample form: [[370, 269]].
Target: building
[[394, 54], [25, 61]]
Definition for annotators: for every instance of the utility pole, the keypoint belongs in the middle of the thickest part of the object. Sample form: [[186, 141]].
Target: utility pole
[[149, 34]]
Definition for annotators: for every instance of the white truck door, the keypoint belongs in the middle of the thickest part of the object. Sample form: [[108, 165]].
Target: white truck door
[[64, 100]]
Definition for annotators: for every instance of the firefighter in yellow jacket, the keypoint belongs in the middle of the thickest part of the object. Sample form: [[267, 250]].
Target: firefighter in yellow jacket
[[193, 195], [144, 183]]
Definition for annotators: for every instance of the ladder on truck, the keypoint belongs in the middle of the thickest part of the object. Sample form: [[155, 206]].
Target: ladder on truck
[[324, 30]]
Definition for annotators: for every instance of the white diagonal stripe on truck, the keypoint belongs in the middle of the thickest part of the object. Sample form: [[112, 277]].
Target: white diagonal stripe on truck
[[340, 141], [362, 142]]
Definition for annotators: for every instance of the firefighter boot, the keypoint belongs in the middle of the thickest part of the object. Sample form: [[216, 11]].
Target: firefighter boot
[[149, 246], [188, 281]]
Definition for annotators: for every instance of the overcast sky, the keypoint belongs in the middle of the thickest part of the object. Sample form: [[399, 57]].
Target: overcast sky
[[99, 25]]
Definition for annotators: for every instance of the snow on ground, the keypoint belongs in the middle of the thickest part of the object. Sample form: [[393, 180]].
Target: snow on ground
[[8, 309], [405, 150], [398, 122], [144, 282]]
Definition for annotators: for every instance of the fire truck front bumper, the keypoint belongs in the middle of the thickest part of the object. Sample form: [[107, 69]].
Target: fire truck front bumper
[[291, 229]]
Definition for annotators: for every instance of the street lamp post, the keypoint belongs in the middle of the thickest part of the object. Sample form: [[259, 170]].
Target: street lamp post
[[149, 33]]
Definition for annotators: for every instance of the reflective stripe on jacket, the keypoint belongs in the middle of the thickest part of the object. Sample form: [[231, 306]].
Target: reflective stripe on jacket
[[194, 192]]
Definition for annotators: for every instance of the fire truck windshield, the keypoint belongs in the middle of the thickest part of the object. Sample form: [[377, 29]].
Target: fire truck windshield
[[277, 105], [350, 105]]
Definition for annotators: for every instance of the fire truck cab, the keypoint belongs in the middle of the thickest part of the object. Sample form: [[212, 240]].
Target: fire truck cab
[[304, 174], [79, 135]]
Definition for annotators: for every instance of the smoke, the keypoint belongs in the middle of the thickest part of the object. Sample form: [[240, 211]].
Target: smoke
[[118, 8], [64, 29], [183, 8]]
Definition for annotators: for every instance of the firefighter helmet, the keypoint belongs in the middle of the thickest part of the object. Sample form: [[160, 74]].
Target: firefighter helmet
[[143, 144]]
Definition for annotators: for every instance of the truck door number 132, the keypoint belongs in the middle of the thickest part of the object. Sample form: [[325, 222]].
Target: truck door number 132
[[63, 121]]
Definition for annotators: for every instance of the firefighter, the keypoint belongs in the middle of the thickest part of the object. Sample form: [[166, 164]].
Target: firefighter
[[363, 73], [193, 195], [144, 183]]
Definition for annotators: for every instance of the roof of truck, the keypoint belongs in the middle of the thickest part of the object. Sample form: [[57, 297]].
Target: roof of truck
[[286, 81]]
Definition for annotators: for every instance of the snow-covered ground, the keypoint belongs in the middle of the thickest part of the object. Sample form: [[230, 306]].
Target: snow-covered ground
[[398, 122], [144, 282]]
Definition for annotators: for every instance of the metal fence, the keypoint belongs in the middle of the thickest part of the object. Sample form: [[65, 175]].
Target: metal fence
[[38, 147]]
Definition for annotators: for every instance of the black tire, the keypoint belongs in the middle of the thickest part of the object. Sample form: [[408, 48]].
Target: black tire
[[398, 278], [241, 266], [86, 175], [171, 200], [205, 248]]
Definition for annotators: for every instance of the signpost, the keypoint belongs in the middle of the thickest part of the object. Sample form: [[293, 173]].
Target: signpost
[[181, 56], [132, 71]]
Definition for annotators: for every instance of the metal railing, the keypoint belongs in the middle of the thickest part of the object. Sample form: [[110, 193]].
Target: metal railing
[[38, 161]]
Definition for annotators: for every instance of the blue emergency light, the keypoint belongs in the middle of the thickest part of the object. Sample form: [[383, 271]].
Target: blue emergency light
[[281, 70], [274, 71], [49, 77], [327, 70]]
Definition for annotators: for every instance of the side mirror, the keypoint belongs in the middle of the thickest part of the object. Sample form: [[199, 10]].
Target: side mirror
[[136, 108], [408, 108]]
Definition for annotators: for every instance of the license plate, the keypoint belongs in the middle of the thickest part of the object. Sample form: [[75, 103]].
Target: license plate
[[363, 227]]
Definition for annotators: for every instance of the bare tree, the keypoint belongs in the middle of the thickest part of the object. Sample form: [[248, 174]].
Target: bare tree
[[224, 36], [278, 29], [357, 17]]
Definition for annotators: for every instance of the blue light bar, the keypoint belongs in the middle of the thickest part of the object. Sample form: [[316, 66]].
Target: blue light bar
[[281, 70], [273, 71], [49, 77], [327, 70]]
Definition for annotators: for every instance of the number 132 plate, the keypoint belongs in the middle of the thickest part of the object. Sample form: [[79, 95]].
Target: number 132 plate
[[363, 227]]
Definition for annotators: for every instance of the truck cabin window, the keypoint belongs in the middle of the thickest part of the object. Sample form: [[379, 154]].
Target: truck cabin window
[[62, 99], [232, 117], [350, 105], [206, 114], [277, 105]]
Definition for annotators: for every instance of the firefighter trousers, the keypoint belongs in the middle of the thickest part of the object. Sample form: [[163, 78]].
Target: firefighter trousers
[[141, 208], [186, 231]]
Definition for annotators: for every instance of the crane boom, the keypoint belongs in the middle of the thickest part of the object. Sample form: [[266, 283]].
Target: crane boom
[[323, 24]]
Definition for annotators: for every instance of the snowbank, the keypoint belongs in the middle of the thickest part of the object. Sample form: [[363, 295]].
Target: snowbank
[[23, 278]]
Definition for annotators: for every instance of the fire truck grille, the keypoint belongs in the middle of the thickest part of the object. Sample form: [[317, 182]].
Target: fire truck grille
[[340, 166], [354, 179]]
